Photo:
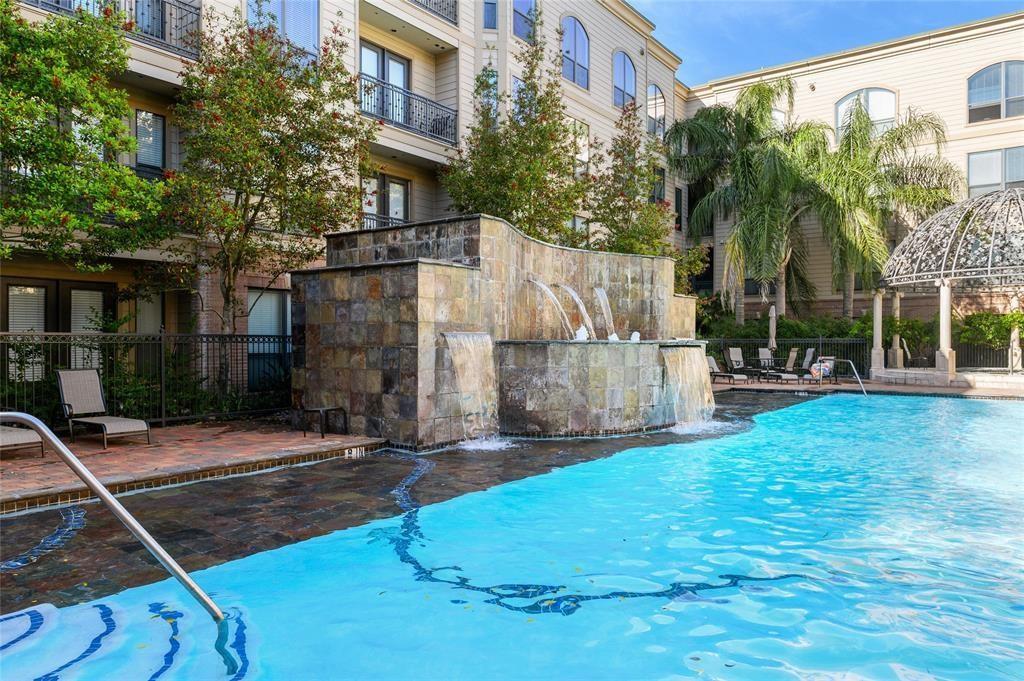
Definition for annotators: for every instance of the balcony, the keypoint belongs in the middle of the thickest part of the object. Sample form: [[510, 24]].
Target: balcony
[[407, 110], [167, 24], [377, 221], [446, 9]]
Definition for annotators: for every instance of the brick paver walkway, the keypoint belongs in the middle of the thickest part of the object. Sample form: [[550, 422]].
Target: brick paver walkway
[[184, 450]]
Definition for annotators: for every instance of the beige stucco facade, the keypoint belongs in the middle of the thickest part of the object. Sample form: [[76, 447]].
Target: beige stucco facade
[[928, 73], [438, 47]]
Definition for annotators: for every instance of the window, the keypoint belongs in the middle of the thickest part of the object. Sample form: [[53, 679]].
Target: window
[[149, 314], [997, 91], [880, 105], [658, 189], [624, 79], [990, 171], [385, 201], [490, 94], [779, 117], [149, 138], [582, 136], [385, 78], [269, 316], [517, 88], [655, 111], [575, 52], [491, 15], [679, 209], [694, 194], [297, 20], [578, 223], [524, 12], [704, 283]]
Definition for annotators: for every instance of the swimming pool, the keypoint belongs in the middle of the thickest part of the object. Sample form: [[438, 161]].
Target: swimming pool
[[881, 536]]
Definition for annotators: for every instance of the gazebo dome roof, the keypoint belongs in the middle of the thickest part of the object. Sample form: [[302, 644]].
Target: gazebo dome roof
[[977, 244]]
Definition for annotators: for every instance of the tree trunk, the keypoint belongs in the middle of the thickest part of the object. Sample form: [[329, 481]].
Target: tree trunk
[[780, 292], [849, 281], [227, 326], [739, 304]]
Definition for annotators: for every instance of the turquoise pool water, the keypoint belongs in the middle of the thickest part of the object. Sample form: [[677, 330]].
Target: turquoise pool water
[[881, 537]]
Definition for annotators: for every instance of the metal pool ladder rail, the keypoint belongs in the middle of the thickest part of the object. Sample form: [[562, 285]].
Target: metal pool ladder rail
[[855, 373], [116, 508]]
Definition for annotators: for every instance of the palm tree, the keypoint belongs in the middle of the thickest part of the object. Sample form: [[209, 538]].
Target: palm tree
[[761, 173], [875, 179]]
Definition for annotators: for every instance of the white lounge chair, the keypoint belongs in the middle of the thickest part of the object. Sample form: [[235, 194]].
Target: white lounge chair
[[717, 373], [81, 396], [12, 438]]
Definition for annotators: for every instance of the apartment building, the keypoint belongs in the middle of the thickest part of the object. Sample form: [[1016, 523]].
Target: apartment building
[[971, 75], [417, 60]]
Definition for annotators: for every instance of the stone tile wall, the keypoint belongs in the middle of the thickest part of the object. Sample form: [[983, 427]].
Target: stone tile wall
[[567, 388]]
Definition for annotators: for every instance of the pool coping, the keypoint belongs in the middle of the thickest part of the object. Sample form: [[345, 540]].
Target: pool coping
[[65, 495]]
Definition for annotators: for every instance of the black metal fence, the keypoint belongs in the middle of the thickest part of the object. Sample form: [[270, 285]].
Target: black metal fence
[[159, 378], [857, 350], [968, 356], [170, 24], [406, 109]]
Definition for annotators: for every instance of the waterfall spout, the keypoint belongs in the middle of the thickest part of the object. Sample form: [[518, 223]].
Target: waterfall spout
[[606, 312], [550, 295], [473, 361], [687, 384], [587, 321]]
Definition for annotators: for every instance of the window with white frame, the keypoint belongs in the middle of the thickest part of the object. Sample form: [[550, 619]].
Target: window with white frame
[[524, 14], [149, 139], [989, 171], [575, 52], [491, 15], [995, 92], [880, 105], [297, 20], [623, 79], [655, 111]]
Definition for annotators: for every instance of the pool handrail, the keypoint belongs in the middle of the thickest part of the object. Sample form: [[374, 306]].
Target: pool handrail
[[852, 366], [116, 508]]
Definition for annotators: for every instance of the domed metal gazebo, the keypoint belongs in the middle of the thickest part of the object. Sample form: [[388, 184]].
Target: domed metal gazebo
[[974, 245]]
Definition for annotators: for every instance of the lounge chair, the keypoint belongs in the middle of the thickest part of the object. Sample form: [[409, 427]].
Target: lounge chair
[[805, 367], [81, 397], [737, 366], [717, 373], [12, 438], [788, 374], [764, 356]]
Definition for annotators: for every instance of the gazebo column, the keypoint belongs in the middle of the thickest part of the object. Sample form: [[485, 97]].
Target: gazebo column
[[945, 358], [896, 352], [877, 352], [1015, 351]]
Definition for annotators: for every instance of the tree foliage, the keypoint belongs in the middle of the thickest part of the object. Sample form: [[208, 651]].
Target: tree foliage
[[621, 192], [64, 193], [275, 146], [518, 160], [874, 178], [760, 173]]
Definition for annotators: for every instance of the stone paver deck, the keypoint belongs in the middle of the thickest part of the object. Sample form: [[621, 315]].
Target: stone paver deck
[[178, 454]]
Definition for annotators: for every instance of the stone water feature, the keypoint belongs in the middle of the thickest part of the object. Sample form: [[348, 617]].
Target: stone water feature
[[436, 332]]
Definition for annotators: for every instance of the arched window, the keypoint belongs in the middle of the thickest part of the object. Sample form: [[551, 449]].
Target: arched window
[[575, 52], [624, 79], [655, 111], [997, 91], [880, 105]]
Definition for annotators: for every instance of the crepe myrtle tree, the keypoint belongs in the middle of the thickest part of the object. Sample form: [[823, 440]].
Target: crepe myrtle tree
[[274, 149], [521, 164], [62, 190]]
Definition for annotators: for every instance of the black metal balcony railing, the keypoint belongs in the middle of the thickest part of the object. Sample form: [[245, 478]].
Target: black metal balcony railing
[[446, 9], [377, 221], [168, 24], [408, 110]]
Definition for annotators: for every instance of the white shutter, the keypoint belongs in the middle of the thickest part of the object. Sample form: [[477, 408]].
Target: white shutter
[[86, 310], [149, 137], [302, 24], [267, 314], [148, 317], [26, 308], [26, 311]]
